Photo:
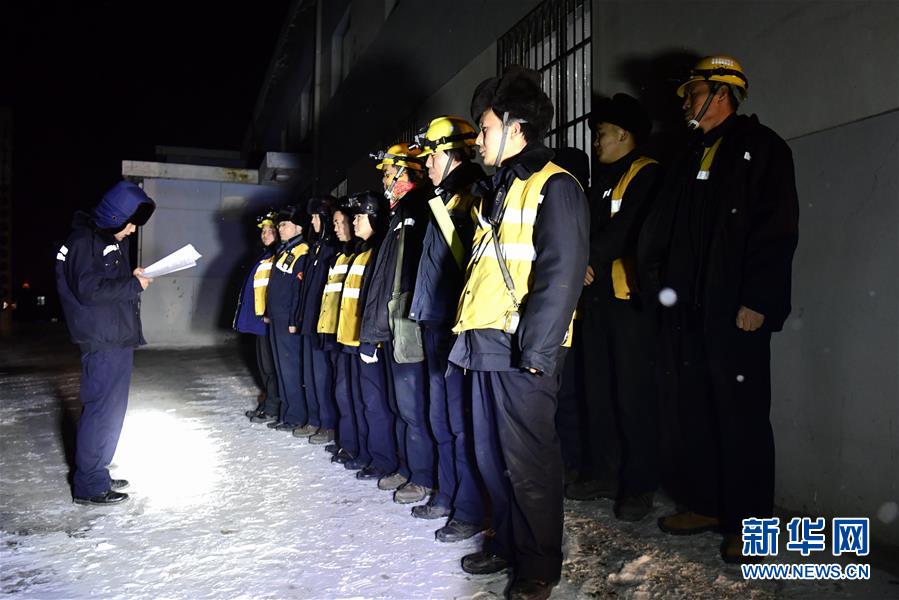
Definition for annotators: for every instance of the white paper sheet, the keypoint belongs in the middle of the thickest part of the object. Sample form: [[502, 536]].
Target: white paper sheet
[[184, 258]]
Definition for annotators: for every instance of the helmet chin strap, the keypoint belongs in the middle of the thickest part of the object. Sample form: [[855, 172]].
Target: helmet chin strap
[[502, 143], [447, 168], [388, 193], [694, 122]]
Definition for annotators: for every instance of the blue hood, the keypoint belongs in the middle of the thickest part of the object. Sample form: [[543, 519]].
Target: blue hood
[[124, 203]]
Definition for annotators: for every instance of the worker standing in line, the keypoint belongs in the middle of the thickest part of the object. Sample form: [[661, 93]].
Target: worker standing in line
[[514, 322], [448, 146]]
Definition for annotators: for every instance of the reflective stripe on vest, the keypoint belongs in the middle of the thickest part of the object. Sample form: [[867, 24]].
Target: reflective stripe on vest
[[260, 285], [625, 270], [287, 260], [485, 302], [350, 324], [708, 157], [330, 309]]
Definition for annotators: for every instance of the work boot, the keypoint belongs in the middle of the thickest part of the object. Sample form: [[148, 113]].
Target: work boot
[[530, 589], [274, 424], [732, 551], [252, 413], [322, 437], [483, 563], [391, 482], [688, 523], [284, 427], [355, 465], [591, 489], [411, 492], [261, 417], [456, 531], [430, 511], [332, 448], [304, 431], [105, 499], [370, 472], [342, 457], [633, 508], [118, 485]]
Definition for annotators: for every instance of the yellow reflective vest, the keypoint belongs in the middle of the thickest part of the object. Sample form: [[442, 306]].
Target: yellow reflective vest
[[349, 325], [624, 271], [486, 302], [330, 309], [286, 260], [260, 284]]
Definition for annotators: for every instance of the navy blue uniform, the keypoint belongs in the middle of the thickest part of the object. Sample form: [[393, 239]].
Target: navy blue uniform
[[281, 306], [407, 383], [513, 411], [318, 375], [101, 300], [437, 288]]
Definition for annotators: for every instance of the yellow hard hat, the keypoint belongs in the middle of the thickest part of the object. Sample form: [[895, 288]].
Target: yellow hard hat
[[269, 219], [445, 133], [721, 68], [400, 155]]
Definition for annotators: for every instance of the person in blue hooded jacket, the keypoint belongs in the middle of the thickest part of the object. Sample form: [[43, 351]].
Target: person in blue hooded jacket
[[100, 296]]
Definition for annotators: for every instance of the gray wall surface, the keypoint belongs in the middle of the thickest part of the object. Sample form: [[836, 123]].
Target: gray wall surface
[[836, 392], [825, 76], [196, 306]]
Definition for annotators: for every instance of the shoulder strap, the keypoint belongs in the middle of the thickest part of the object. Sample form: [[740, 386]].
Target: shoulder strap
[[398, 271], [445, 223]]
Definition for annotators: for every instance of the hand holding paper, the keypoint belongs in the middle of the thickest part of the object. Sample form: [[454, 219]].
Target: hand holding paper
[[178, 260]]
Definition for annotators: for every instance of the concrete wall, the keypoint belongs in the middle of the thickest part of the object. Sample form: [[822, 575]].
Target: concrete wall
[[196, 306], [825, 75], [453, 98]]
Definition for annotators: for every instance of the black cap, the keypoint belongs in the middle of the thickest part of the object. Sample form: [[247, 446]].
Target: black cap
[[366, 203], [624, 111], [321, 205], [294, 214], [517, 92]]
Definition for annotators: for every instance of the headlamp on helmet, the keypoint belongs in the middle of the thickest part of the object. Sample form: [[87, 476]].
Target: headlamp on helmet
[[719, 70], [400, 155], [445, 133], [268, 219]]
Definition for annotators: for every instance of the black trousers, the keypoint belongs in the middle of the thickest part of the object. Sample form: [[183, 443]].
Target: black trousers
[[622, 365], [271, 405], [569, 422], [723, 401], [520, 461]]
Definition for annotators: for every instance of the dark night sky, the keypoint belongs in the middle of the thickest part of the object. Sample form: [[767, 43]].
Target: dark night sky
[[93, 83]]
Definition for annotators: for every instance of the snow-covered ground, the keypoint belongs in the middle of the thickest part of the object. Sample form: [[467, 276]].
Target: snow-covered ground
[[221, 508]]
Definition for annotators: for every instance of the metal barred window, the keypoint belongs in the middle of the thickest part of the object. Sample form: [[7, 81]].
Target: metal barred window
[[554, 39]]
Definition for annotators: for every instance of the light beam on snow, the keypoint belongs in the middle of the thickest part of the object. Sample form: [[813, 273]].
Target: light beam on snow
[[171, 462]]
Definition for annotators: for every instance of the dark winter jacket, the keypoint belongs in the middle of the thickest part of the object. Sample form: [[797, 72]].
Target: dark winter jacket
[[440, 278], [100, 296], [245, 318], [411, 212], [315, 277], [616, 238], [283, 295], [561, 241], [727, 241]]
